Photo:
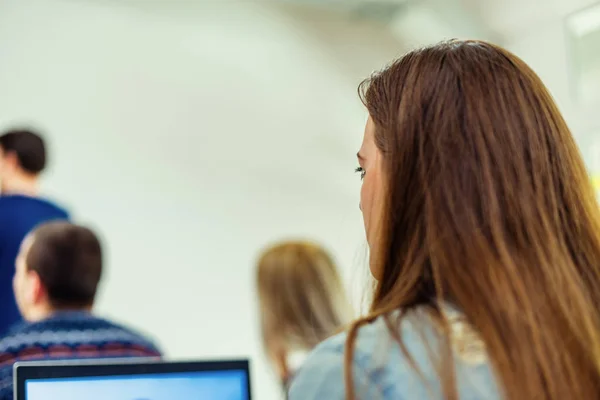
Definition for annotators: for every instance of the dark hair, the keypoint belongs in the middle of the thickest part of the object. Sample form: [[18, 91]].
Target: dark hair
[[488, 207], [68, 260], [29, 148]]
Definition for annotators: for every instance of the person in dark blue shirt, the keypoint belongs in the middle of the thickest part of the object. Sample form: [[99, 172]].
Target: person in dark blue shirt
[[22, 160]]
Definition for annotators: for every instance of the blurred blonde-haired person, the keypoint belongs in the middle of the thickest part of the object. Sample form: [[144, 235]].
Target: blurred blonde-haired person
[[302, 301]]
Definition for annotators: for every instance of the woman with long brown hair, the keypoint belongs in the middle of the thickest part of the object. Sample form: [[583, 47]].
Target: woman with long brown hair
[[484, 235], [302, 301]]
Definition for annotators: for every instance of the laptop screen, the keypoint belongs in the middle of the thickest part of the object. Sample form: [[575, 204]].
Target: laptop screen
[[213, 385]]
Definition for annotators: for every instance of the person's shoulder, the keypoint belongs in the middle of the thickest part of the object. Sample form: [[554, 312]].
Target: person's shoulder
[[21, 328], [54, 209], [323, 373], [13, 203], [73, 328], [77, 325], [129, 334], [385, 368], [15, 339]]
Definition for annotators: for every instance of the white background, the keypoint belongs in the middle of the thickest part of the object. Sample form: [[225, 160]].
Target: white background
[[191, 137]]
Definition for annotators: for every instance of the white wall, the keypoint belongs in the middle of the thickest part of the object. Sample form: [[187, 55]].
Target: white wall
[[191, 137], [536, 31]]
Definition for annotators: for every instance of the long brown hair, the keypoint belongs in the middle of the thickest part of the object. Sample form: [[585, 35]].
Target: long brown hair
[[488, 207], [301, 294]]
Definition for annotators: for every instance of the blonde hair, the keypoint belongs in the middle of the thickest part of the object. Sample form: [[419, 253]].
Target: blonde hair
[[302, 298]]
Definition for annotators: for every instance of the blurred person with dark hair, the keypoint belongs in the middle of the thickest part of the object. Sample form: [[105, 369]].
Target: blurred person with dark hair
[[302, 301], [56, 278], [22, 160]]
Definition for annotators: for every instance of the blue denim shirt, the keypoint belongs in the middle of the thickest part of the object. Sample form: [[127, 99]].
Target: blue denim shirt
[[382, 371]]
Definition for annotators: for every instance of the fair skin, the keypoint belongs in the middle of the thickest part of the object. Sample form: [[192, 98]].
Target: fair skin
[[371, 193], [30, 294], [13, 179]]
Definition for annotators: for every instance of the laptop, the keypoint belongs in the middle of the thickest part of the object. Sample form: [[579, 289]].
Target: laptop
[[132, 380]]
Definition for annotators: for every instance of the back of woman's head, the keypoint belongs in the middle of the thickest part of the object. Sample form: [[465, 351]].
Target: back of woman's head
[[488, 206], [301, 295]]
